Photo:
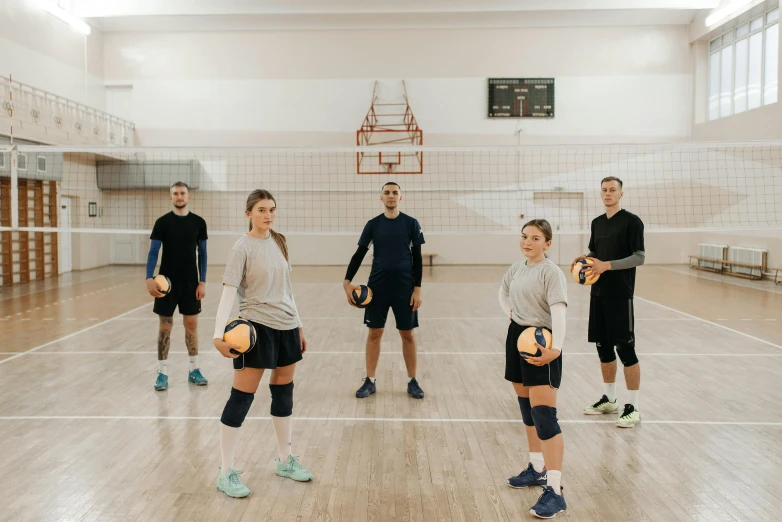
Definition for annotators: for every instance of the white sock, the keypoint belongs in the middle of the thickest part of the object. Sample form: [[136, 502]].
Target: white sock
[[161, 367], [536, 459], [229, 437], [371, 379], [282, 426], [194, 363], [553, 479], [634, 398], [611, 391]]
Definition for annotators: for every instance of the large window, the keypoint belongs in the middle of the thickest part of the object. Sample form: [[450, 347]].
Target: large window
[[744, 67]]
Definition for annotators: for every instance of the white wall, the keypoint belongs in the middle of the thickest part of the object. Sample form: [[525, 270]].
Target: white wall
[[314, 87], [44, 52], [90, 250], [80, 184]]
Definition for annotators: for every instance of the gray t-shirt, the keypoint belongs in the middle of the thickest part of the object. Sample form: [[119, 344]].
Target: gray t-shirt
[[262, 275], [533, 289]]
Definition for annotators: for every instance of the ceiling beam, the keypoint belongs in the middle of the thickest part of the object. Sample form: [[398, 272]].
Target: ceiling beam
[[122, 8], [393, 21]]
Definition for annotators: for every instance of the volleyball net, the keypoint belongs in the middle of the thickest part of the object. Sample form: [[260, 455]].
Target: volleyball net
[[459, 190]]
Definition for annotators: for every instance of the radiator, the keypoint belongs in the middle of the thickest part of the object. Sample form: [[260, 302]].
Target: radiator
[[712, 252], [754, 256]]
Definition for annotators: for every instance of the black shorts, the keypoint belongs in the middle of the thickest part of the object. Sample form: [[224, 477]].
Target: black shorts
[[273, 348], [520, 371], [611, 320], [397, 299], [182, 295]]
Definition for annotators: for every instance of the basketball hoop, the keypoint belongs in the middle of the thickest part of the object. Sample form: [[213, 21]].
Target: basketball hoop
[[389, 124], [389, 167]]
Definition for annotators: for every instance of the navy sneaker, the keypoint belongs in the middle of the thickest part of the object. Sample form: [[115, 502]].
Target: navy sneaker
[[367, 389], [414, 390], [527, 478], [549, 504]]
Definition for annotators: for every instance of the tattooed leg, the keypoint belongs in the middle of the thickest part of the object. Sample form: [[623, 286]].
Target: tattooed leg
[[191, 334], [164, 338]]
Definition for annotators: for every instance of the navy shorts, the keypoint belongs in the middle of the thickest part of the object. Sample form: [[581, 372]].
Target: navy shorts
[[397, 298], [182, 296]]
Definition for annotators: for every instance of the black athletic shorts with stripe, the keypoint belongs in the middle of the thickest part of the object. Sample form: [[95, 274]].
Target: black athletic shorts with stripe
[[611, 320]]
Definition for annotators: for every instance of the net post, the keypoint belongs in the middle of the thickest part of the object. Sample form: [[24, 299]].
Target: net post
[[14, 188]]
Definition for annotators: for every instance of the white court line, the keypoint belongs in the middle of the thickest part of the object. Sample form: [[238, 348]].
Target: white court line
[[96, 325], [758, 339], [425, 319], [216, 354], [716, 279], [385, 419]]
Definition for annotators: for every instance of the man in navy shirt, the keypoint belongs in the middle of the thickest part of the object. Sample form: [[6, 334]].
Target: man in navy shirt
[[395, 281]]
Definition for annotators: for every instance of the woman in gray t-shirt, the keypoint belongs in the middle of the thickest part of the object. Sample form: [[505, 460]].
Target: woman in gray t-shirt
[[258, 271], [533, 295]]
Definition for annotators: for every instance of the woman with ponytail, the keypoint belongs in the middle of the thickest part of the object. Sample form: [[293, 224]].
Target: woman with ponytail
[[533, 294], [258, 270]]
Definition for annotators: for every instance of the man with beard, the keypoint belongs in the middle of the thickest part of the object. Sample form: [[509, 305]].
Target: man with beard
[[395, 281], [180, 233]]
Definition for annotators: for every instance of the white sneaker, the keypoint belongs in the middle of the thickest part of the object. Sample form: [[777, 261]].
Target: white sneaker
[[630, 417], [601, 407]]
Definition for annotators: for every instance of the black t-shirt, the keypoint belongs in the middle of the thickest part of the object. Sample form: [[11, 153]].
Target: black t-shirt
[[612, 239], [180, 236], [393, 259]]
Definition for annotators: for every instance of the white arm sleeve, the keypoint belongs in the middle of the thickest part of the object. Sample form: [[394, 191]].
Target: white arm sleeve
[[224, 310], [558, 325], [504, 298]]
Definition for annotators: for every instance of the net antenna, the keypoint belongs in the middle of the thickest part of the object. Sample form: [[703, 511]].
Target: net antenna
[[391, 127]]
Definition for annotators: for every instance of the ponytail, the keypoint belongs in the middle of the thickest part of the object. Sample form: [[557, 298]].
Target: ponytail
[[281, 242]]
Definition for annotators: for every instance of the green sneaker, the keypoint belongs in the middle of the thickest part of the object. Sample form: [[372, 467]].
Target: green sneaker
[[602, 406], [630, 417], [230, 484], [162, 382], [292, 469], [196, 378]]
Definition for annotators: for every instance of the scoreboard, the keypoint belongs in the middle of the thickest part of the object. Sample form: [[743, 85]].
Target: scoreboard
[[521, 97]]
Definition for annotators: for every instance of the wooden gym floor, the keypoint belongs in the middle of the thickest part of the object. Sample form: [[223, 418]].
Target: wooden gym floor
[[85, 436]]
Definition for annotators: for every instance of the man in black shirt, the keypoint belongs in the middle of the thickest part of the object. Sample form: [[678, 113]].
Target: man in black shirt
[[180, 233], [617, 247], [395, 280]]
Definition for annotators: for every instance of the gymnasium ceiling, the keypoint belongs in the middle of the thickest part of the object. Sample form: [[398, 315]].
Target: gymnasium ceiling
[[245, 15]]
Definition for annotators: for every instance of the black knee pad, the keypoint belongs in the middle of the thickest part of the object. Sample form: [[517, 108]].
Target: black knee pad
[[236, 408], [282, 399], [605, 352], [627, 354], [526, 411], [546, 424]]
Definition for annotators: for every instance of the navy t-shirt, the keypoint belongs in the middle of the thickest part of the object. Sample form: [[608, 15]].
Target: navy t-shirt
[[393, 238]]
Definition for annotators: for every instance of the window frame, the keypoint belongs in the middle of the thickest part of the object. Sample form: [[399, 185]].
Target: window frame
[[717, 49]]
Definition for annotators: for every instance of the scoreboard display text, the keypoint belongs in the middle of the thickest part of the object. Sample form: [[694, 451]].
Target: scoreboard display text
[[521, 97]]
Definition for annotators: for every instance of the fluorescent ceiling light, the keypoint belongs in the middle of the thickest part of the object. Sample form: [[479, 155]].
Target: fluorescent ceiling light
[[720, 14], [64, 15]]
